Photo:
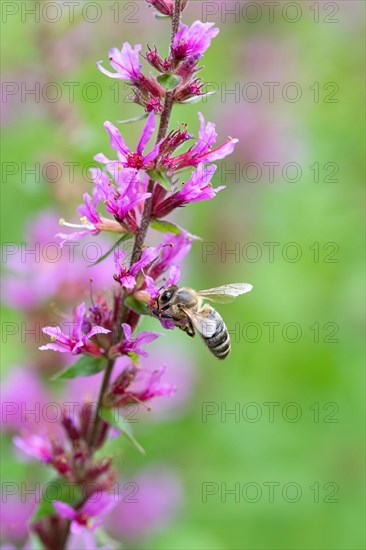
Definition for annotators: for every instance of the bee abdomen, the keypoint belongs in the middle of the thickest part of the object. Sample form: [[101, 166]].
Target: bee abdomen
[[219, 343]]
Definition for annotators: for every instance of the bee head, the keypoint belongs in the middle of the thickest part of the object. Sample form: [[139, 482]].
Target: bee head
[[166, 295]]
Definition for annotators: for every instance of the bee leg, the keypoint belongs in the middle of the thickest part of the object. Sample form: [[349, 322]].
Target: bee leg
[[188, 329]]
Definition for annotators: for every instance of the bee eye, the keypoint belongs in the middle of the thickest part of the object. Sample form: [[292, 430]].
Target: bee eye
[[165, 297]]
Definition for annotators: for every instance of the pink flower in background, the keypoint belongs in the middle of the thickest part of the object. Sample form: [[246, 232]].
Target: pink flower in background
[[192, 42], [85, 540], [79, 339], [22, 394], [35, 446], [91, 514], [158, 499], [15, 513], [33, 278], [126, 62], [180, 375]]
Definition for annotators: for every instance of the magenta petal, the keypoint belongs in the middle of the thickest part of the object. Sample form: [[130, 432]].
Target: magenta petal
[[147, 132], [221, 152], [64, 510], [152, 155], [54, 332], [127, 331], [147, 336], [167, 324], [151, 288], [128, 282], [105, 71], [116, 139], [100, 157], [76, 528], [174, 276], [54, 347], [127, 61], [97, 330], [103, 503]]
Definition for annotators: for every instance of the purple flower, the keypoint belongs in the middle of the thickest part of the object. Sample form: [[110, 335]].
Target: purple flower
[[136, 385], [127, 158], [85, 540], [91, 224], [127, 276], [202, 151], [21, 391], [121, 199], [197, 188], [148, 385], [156, 504], [35, 446], [133, 345], [173, 279], [91, 514], [173, 249], [79, 339], [126, 62], [33, 279], [15, 516], [90, 221], [192, 42]]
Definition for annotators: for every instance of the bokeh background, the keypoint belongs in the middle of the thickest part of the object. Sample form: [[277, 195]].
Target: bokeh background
[[292, 217]]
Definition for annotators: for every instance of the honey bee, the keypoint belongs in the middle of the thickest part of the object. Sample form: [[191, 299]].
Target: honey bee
[[184, 306]]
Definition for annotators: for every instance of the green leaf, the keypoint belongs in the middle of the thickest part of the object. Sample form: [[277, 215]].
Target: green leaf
[[195, 99], [169, 227], [124, 237], [133, 119], [56, 489], [166, 227], [161, 178], [113, 417], [169, 81], [138, 307], [86, 366]]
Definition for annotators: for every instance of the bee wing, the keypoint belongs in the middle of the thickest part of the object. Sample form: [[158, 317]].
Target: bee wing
[[205, 327], [226, 293]]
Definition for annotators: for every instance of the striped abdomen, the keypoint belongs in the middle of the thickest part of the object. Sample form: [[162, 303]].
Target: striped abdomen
[[218, 341]]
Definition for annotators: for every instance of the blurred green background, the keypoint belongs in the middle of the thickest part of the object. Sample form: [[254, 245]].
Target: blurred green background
[[311, 370]]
